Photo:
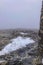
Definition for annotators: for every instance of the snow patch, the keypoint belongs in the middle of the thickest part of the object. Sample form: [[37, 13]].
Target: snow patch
[[16, 43], [22, 33]]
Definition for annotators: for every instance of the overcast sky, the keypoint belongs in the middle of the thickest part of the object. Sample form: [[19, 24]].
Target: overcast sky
[[20, 14]]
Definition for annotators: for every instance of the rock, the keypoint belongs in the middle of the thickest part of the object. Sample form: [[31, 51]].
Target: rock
[[36, 61], [3, 62], [16, 62], [27, 61]]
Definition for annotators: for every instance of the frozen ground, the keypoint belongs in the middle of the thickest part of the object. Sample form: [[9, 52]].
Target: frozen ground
[[15, 44]]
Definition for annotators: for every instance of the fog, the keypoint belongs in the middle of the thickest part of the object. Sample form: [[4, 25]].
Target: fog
[[20, 14]]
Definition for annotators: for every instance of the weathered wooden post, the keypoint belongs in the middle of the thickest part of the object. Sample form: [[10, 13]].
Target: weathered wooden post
[[40, 44], [39, 59]]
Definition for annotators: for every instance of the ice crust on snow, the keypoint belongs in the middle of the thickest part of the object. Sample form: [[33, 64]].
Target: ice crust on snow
[[16, 43]]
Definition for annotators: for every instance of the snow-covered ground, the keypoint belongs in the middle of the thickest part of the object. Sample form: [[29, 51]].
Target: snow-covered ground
[[22, 33], [16, 43]]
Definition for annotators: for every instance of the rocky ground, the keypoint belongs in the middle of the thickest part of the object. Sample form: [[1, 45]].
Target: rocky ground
[[22, 56]]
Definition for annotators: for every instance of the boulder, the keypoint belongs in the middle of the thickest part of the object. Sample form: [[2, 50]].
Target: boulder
[[3, 62]]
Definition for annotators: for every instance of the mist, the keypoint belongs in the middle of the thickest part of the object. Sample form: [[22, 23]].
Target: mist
[[20, 14]]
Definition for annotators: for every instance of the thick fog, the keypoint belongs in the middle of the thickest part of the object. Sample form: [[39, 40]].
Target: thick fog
[[20, 14]]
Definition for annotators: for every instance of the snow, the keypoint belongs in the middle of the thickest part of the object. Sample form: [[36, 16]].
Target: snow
[[3, 61], [23, 33], [42, 61], [16, 43]]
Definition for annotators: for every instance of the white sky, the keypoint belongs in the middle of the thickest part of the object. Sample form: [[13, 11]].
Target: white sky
[[20, 13]]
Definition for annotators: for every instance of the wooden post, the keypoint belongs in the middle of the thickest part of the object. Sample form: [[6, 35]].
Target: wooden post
[[39, 59], [40, 44]]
